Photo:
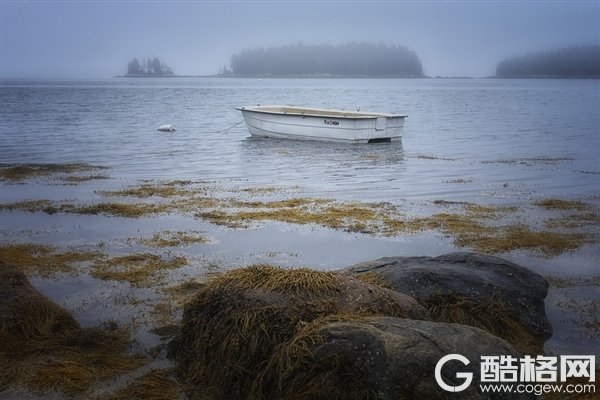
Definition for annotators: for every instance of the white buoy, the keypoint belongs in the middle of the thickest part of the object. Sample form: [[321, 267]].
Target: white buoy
[[166, 128]]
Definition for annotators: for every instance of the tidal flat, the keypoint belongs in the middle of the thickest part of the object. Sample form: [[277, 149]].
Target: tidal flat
[[129, 256]]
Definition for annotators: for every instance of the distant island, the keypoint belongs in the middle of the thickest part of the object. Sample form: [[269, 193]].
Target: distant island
[[570, 62], [149, 67], [346, 60], [375, 61]]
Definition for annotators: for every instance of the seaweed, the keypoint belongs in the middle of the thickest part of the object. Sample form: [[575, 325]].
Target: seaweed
[[44, 260], [470, 225], [174, 239], [564, 205], [42, 348], [140, 270], [158, 384], [128, 210], [295, 373], [77, 179], [373, 278], [237, 321], [176, 188], [348, 216], [46, 206], [521, 237], [20, 172], [278, 280], [491, 314]]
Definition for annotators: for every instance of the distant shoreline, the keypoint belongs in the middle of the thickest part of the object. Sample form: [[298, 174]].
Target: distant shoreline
[[6, 80], [358, 77], [285, 76], [547, 77]]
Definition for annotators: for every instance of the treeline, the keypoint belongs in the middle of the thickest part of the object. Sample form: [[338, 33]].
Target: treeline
[[148, 67], [570, 62], [352, 59]]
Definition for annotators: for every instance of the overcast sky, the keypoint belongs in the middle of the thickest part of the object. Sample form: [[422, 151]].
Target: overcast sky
[[96, 39]]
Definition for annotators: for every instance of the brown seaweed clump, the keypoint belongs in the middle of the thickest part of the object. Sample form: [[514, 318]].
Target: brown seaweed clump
[[43, 260], [522, 237], [158, 384], [77, 179], [472, 229], [353, 217], [491, 314], [563, 205], [301, 376], [127, 210], [20, 172], [500, 297], [175, 188], [33, 206], [174, 239], [237, 322], [140, 270], [43, 348]]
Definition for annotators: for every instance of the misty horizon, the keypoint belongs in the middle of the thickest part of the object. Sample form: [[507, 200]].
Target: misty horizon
[[97, 40]]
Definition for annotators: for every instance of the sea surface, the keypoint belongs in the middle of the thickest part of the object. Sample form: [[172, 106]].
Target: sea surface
[[487, 129], [486, 141]]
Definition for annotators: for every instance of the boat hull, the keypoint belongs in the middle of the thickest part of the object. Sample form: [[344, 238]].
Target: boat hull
[[337, 126]]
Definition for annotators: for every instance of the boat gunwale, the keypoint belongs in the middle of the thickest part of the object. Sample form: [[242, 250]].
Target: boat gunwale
[[318, 112]]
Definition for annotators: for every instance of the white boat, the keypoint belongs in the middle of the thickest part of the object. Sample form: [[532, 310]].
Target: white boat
[[322, 124]]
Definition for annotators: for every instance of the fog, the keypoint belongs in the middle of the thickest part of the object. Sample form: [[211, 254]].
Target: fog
[[97, 39]]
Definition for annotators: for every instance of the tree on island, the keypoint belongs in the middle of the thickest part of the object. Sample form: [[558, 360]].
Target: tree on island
[[351, 59], [148, 67], [225, 71], [570, 62]]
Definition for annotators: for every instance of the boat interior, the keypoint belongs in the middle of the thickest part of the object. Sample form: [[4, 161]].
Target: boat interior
[[318, 112]]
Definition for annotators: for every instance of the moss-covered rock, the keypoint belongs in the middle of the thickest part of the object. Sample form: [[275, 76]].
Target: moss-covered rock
[[383, 358], [18, 298], [43, 348], [488, 292], [237, 322]]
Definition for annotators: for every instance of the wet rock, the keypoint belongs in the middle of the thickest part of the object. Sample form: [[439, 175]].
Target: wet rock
[[489, 292], [384, 358], [233, 327], [44, 351], [26, 311]]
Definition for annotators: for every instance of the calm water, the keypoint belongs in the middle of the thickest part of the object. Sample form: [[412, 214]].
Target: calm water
[[487, 141], [468, 122]]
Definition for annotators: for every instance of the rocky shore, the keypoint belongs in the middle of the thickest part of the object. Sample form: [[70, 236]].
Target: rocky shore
[[44, 351], [263, 332], [374, 330]]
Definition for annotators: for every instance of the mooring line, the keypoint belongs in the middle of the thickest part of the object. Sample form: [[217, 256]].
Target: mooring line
[[232, 126]]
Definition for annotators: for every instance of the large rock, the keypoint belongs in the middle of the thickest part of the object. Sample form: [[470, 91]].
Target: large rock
[[384, 358], [27, 312], [489, 292], [236, 322]]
